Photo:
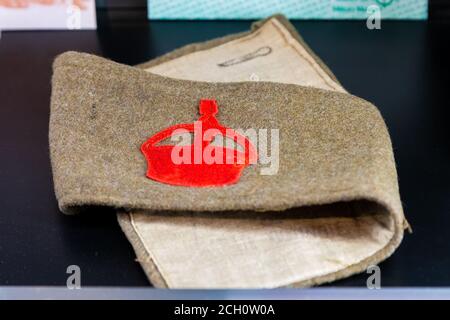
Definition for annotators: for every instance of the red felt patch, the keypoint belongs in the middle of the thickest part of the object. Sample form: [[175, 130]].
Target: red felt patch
[[200, 164]]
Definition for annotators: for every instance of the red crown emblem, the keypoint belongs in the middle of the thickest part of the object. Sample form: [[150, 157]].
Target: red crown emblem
[[198, 171]]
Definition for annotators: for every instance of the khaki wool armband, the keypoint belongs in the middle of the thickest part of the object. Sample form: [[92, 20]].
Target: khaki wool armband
[[330, 210]]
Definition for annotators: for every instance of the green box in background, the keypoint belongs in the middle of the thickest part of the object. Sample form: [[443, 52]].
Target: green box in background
[[293, 9]]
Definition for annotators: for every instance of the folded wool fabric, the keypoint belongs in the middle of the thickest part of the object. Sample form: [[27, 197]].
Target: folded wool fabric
[[331, 210]]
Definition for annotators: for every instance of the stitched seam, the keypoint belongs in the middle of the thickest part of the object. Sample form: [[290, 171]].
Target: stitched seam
[[313, 65], [152, 257]]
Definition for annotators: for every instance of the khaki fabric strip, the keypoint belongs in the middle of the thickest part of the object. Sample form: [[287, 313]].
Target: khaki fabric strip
[[299, 247]]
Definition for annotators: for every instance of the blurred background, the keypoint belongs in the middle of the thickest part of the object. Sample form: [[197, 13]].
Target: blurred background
[[41, 13]]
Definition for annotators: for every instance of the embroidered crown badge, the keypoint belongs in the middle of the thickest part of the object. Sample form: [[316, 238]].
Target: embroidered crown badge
[[201, 163]]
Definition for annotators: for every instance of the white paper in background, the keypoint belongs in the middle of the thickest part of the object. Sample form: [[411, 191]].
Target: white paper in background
[[47, 14]]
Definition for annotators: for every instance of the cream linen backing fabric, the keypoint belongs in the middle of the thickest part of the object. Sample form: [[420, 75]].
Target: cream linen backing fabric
[[299, 247], [268, 54]]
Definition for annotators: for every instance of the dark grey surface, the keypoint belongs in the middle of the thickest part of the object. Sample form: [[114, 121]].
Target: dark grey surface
[[403, 69]]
